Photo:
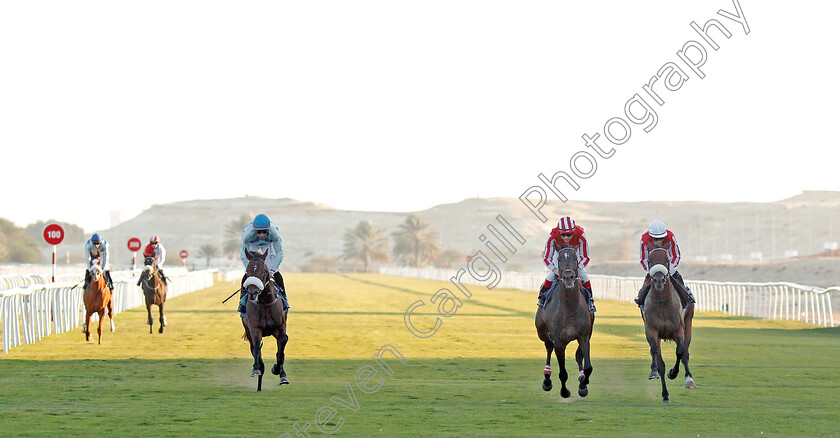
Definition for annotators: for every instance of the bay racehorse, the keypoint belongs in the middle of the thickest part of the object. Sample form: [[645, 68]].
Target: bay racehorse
[[264, 316], [665, 319], [98, 298], [154, 289], [564, 319]]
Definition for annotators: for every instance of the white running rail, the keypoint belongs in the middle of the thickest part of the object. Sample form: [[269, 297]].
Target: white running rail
[[760, 300], [30, 313]]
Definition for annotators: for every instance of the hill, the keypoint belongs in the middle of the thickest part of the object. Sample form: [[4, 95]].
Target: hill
[[707, 232]]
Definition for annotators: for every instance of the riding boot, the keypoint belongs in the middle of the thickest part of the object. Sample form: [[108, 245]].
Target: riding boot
[[541, 299], [87, 280], [241, 308], [242, 297], [282, 286], [640, 299], [162, 277], [590, 298], [140, 279], [110, 282], [686, 297]]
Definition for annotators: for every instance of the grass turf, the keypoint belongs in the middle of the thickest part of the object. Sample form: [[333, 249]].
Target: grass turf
[[479, 375]]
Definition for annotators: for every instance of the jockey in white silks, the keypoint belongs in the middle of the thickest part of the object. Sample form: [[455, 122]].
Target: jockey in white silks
[[96, 250], [659, 236], [262, 235], [156, 250]]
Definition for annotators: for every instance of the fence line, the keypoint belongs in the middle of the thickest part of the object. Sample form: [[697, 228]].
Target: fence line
[[760, 300], [30, 313]]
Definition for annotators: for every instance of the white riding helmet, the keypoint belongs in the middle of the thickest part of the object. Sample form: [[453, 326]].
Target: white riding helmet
[[657, 229]]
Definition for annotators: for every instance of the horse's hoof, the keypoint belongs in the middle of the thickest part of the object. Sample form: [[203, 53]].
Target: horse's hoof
[[672, 374], [160, 330], [689, 383], [284, 381], [547, 385], [583, 392], [256, 373], [653, 375], [666, 401], [565, 393]]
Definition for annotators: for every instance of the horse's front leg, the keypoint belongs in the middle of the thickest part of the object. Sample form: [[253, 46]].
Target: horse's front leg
[[86, 327], [162, 318], [256, 351], [584, 366], [149, 315], [99, 329], [277, 369], [560, 352], [111, 313], [549, 347], [656, 356], [674, 372]]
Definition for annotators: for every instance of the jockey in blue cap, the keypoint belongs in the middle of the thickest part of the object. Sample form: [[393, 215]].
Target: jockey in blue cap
[[96, 251], [262, 234]]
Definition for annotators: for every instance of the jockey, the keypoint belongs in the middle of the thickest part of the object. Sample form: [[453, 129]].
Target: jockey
[[658, 236], [96, 248], [263, 234], [155, 249], [567, 233]]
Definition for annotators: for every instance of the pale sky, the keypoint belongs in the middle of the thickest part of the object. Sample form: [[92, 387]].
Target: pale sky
[[400, 106]]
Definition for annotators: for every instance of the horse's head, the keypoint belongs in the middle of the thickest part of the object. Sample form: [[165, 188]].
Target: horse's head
[[567, 262], [149, 265], [257, 275], [95, 270], [659, 267]]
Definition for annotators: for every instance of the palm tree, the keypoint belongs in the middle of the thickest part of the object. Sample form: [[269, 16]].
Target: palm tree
[[207, 251], [233, 233], [365, 243], [416, 240]]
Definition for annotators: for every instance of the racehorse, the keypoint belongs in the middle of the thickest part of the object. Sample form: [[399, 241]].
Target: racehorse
[[154, 290], [566, 318], [98, 298], [664, 319], [264, 316]]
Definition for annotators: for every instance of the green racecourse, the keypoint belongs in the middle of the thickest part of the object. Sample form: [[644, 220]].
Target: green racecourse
[[479, 375]]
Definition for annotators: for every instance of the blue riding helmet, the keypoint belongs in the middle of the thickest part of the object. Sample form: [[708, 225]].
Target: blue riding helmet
[[261, 222], [96, 238]]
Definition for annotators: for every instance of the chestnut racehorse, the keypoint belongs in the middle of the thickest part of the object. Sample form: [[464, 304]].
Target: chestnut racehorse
[[154, 289], [98, 299], [664, 319], [566, 318], [264, 316]]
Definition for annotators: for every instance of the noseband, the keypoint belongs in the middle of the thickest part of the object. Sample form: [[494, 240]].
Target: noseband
[[259, 278]]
